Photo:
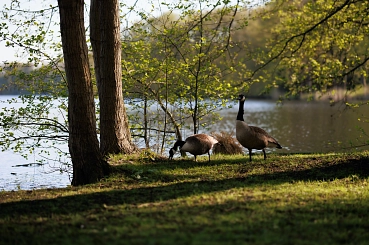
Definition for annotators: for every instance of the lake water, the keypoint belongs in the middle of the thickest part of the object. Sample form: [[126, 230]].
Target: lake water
[[306, 127], [300, 127]]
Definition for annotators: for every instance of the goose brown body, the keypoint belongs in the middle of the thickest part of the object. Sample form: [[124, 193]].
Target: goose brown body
[[197, 144], [252, 137]]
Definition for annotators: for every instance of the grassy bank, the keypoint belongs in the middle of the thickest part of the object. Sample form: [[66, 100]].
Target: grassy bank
[[287, 199]]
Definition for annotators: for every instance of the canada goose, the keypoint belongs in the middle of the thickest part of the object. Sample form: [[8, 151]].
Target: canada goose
[[197, 144], [252, 137]]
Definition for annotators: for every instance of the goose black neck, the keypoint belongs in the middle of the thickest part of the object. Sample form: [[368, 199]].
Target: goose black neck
[[179, 143], [240, 111]]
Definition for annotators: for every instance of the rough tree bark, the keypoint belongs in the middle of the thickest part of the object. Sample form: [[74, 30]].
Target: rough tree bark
[[88, 163], [115, 136]]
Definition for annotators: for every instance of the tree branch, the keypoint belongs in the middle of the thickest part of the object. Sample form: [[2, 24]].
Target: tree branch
[[302, 35]]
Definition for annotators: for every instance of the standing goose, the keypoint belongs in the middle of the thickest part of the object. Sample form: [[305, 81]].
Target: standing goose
[[252, 137], [197, 144]]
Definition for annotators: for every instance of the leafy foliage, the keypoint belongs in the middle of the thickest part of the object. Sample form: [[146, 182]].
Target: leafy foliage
[[36, 122], [39, 127], [319, 46], [185, 61]]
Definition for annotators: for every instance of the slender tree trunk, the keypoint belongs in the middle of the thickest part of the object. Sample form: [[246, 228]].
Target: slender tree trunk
[[363, 80], [88, 163], [115, 136], [95, 15], [146, 135], [166, 111]]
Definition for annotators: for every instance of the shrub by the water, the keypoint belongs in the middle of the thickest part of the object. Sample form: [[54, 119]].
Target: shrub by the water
[[228, 144]]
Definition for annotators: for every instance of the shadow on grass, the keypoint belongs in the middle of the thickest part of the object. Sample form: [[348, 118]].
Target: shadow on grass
[[83, 202]]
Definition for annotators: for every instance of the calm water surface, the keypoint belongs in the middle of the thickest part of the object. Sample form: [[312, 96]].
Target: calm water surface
[[306, 127], [300, 127]]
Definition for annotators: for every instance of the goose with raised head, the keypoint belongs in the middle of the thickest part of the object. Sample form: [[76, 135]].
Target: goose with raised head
[[252, 137], [197, 144]]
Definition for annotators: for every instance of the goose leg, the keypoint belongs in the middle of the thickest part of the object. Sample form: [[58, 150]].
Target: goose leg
[[250, 152], [209, 156], [265, 156], [195, 158]]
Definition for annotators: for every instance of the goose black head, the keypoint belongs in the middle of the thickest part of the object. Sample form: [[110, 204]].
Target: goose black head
[[241, 97], [171, 153]]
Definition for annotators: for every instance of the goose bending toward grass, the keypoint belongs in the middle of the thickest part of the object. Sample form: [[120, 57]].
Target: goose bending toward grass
[[252, 137], [197, 144]]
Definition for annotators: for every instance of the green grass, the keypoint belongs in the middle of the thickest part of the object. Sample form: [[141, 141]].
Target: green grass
[[287, 199]]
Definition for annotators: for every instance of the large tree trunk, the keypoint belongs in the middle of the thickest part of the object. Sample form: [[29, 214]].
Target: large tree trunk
[[115, 136], [88, 163]]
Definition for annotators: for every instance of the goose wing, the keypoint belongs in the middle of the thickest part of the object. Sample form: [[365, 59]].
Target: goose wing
[[262, 134]]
